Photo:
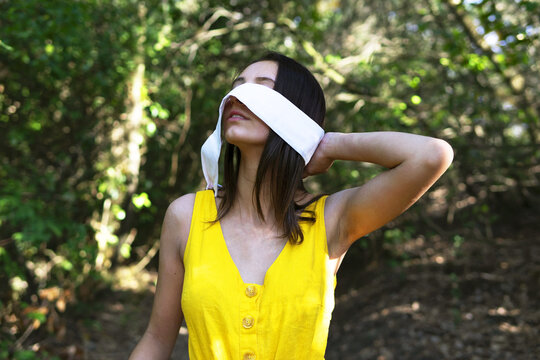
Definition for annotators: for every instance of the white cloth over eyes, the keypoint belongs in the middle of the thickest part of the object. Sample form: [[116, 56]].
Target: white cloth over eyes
[[290, 123]]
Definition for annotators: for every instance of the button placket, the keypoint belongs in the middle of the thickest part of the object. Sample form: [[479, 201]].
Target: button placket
[[248, 321]]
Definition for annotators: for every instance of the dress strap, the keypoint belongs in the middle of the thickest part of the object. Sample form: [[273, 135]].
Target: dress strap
[[204, 212]]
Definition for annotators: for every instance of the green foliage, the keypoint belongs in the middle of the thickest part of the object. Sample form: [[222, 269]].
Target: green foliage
[[104, 106], [31, 355], [397, 236]]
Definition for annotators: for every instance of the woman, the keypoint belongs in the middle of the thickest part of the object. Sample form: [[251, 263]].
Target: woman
[[253, 269]]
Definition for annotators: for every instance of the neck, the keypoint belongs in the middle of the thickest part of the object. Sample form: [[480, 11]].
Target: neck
[[245, 203]]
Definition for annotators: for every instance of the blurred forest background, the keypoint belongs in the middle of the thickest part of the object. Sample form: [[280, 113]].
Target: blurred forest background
[[104, 105]]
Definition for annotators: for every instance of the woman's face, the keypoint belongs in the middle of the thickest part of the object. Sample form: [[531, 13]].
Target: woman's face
[[241, 126]]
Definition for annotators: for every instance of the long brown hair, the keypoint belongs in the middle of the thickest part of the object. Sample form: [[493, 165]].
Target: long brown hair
[[279, 161]]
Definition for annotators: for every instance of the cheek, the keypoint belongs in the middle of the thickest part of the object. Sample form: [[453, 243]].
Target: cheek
[[262, 127], [264, 130], [262, 133]]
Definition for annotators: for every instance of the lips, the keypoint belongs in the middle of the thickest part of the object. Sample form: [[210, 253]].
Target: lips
[[236, 115]]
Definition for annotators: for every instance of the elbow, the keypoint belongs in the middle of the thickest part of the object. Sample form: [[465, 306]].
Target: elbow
[[439, 154]]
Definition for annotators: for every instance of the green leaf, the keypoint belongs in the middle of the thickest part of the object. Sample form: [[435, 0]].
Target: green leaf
[[5, 46], [125, 251], [66, 265], [49, 49], [37, 316], [25, 355], [141, 200]]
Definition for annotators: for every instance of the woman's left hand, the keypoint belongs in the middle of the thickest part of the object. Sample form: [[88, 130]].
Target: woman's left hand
[[320, 162]]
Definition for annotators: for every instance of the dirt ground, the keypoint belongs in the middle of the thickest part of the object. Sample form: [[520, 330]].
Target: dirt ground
[[449, 299]]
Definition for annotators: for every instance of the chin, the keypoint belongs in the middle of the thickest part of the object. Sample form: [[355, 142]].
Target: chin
[[239, 138], [243, 142]]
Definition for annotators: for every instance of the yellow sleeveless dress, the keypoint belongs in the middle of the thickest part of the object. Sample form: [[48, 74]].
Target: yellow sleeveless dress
[[285, 318]]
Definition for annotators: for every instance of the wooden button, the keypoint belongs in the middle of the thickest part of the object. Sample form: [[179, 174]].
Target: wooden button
[[248, 322], [251, 291]]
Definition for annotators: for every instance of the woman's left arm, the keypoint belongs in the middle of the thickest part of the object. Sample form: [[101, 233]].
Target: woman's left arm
[[414, 163]]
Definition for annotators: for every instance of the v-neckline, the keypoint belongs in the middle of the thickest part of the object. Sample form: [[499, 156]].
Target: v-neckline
[[224, 242]]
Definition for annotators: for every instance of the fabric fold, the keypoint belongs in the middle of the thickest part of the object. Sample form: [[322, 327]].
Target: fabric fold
[[290, 123]]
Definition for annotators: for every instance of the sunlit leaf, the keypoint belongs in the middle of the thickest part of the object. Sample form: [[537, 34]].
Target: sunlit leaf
[[125, 251]]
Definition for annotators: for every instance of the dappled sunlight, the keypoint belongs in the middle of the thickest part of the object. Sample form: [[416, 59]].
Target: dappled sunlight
[[433, 250], [449, 297], [414, 307], [104, 106], [506, 327], [501, 311], [133, 279], [439, 259]]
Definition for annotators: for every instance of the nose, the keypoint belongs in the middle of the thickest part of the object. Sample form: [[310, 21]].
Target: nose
[[232, 100]]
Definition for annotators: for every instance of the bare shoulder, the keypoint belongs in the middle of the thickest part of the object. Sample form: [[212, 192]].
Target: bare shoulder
[[177, 220], [182, 206]]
